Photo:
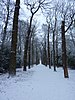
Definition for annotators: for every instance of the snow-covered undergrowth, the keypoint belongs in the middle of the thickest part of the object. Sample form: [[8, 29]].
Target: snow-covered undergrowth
[[38, 83]]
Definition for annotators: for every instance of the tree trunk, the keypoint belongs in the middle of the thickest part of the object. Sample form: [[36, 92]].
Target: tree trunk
[[54, 51], [36, 57], [48, 47], [29, 53], [12, 67], [33, 50], [36, 54], [57, 49], [51, 58], [45, 54], [25, 54], [64, 56]]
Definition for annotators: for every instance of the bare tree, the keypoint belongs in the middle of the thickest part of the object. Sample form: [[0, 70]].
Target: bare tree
[[67, 20]]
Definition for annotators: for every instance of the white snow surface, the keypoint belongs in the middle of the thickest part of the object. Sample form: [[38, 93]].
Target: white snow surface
[[38, 83]]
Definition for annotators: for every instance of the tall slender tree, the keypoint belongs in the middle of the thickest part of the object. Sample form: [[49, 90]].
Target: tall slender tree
[[12, 67], [33, 9], [66, 16], [54, 33], [48, 43]]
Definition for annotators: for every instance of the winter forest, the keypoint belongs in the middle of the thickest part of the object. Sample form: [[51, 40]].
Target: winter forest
[[37, 39]]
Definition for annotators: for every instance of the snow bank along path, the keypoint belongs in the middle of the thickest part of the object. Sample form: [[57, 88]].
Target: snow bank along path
[[38, 83]]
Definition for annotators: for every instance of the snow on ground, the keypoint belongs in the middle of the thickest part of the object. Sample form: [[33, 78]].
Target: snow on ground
[[38, 83]]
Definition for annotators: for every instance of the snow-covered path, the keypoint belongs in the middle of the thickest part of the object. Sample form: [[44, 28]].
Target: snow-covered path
[[38, 83]]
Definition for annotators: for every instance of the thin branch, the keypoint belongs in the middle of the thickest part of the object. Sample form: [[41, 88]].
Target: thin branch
[[70, 23]]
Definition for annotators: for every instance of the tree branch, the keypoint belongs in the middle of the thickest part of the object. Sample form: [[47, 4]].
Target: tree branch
[[70, 23]]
